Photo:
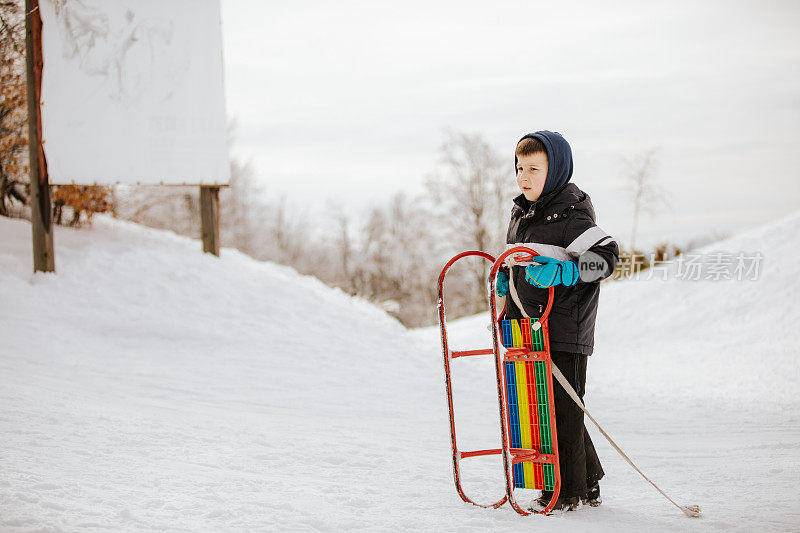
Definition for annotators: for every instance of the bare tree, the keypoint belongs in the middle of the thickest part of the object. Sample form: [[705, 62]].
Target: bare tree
[[471, 190], [647, 195], [173, 208], [288, 236], [471, 193], [342, 251], [397, 260], [241, 204]]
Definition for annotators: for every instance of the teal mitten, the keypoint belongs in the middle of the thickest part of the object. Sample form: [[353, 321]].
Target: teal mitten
[[550, 272], [501, 287]]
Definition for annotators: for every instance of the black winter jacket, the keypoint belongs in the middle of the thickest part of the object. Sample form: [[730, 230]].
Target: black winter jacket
[[563, 219]]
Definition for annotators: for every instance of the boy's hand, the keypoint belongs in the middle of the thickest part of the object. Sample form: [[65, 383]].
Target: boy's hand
[[501, 287], [551, 272]]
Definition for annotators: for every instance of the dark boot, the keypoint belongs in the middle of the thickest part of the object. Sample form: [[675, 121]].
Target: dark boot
[[592, 496], [562, 504]]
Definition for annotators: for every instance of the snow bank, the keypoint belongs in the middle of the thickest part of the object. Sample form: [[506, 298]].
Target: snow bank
[[720, 340]]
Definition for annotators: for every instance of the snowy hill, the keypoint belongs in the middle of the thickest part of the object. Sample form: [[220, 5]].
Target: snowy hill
[[147, 386], [731, 339]]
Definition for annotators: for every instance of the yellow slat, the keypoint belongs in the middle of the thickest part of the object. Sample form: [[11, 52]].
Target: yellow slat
[[516, 334]]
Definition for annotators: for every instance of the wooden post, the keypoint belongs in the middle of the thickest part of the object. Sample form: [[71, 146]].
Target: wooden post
[[209, 214], [41, 209]]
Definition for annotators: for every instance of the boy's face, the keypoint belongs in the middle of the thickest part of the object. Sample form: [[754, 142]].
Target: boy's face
[[531, 174]]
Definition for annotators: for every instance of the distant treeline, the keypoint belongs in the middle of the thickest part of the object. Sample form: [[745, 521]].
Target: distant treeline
[[390, 255]]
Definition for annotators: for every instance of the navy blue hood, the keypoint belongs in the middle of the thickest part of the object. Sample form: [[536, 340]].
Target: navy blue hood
[[559, 159]]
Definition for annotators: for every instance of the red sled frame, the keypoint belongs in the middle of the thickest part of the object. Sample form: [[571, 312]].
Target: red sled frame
[[511, 456]]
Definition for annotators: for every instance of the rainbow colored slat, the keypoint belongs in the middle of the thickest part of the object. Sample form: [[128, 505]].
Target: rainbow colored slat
[[528, 407]]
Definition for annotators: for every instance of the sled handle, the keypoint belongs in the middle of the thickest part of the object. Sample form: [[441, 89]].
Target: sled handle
[[447, 267], [530, 255]]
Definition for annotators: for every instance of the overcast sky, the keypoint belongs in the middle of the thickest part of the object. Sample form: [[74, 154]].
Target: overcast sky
[[348, 102]]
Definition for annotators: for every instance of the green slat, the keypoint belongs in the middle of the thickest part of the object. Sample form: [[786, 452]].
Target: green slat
[[544, 411], [537, 340], [549, 477]]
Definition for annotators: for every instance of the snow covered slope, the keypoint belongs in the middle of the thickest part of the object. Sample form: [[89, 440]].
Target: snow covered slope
[[149, 387], [729, 340]]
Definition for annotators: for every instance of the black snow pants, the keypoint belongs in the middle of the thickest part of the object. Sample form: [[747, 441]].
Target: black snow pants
[[578, 461]]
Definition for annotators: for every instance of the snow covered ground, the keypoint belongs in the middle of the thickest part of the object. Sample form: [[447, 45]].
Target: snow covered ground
[[149, 387]]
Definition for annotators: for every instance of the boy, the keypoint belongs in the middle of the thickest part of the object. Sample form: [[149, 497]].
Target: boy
[[556, 218]]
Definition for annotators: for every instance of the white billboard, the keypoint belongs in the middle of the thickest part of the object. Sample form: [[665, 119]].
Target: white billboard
[[132, 92]]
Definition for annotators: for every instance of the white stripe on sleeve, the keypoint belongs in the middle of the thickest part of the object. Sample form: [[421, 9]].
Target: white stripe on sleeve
[[591, 237]]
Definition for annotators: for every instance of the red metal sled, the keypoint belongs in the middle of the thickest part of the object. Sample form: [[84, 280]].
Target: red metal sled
[[537, 459]]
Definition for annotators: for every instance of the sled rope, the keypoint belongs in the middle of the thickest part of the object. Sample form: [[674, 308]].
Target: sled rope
[[689, 510], [692, 511]]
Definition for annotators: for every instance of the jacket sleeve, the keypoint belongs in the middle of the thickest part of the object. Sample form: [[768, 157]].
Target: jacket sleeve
[[596, 252]]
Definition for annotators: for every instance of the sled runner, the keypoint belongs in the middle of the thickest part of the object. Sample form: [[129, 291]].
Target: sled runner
[[521, 350]]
